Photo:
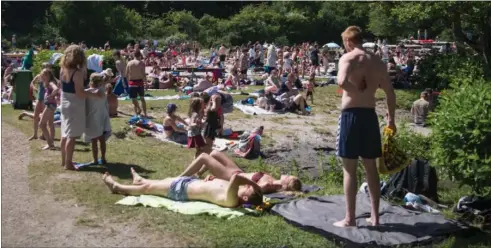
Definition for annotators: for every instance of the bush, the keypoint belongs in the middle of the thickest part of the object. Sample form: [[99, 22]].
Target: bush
[[45, 55], [438, 71], [414, 144], [461, 139]]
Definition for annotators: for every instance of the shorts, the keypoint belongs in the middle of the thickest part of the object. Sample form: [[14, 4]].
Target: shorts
[[222, 58], [359, 134], [135, 91], [196, 141], [268, 69], [315, 62], [243, 72], [51, 106], [178, 188]]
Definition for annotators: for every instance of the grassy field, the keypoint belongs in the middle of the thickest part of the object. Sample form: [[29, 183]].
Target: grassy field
[[154, 159]]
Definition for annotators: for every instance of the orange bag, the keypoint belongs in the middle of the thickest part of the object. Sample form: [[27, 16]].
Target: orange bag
[[393, 158]]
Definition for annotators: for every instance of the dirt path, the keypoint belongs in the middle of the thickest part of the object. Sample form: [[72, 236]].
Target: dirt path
[[39, 221]]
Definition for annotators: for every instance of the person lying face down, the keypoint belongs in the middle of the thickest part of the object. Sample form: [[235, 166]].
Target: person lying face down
[[238, 190], [222, 167]]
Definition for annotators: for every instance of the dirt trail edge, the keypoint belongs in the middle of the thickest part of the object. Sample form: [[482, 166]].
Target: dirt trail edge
[[40, 221]]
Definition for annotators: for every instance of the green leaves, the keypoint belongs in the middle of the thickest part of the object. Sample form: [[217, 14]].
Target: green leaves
[[461, 138]]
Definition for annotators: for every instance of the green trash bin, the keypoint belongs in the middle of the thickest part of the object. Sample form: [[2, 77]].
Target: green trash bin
[[21, 81]]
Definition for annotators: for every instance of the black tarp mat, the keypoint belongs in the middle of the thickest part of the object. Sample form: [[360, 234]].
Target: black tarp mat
[[399, 226], [281, 196]]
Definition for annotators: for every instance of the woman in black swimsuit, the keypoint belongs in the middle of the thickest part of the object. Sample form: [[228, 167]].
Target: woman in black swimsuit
[[212, 123]]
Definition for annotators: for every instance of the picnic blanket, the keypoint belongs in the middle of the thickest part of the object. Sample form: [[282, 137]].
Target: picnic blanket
[[398, 226], [153, 98], [252, 110], [189, 208]]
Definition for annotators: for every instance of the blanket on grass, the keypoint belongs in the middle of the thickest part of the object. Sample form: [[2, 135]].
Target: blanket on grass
[[189, 208], [253, 110], [154, 98]]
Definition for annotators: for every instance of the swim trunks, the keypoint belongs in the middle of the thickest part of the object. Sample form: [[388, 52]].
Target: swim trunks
[[359, 134], [178, 188]]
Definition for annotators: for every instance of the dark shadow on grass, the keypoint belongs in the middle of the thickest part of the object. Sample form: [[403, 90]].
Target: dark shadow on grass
[[119, 170], [82, 149], [125, 114]]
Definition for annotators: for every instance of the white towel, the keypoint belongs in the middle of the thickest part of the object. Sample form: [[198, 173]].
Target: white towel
[[72, 115], [94, 62]]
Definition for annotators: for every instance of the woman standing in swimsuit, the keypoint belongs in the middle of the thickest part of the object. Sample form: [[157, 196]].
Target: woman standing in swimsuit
[[72, 101], [212, 121]]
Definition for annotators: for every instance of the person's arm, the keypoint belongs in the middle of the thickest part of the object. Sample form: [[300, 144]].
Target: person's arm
[[127, 71], [33, 82], [268, 187], [182, 121], [386, 85], [55, 90], [236, 181]]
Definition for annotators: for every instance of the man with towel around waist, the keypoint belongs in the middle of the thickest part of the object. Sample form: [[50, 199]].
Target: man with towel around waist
[[135, 73], [360, 74], [230, 194]]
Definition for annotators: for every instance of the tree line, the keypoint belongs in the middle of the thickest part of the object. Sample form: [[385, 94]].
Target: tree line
[[236, 23]]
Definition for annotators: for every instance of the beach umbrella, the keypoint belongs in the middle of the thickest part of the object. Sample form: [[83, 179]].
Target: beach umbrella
[[369, 45], [331, 45]]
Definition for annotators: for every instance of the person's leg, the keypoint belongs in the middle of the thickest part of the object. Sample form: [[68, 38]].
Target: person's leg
[[224, 160], [349, 183], [348, 140], [300, 102], [371, 148], [213, 165], [159, 188], [45, 118], [63, 150], [142, 99], [133, 95], [102, 141], [95, 150], [70, 147], [37, 111], [373, 181]]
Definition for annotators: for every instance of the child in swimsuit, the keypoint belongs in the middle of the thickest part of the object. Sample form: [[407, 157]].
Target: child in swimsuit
[[112, 101], [195, 139], [309, 86], [212, 120], [50, 93]]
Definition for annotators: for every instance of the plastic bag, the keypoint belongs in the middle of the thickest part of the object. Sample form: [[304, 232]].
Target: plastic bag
[[393, 158]]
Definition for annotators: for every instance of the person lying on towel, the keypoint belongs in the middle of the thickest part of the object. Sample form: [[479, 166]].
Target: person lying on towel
[[222, 167], [239, 190]]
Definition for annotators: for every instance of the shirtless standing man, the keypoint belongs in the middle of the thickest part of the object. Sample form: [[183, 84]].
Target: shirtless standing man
[[135, 72], [230, 194], [121, 67], [360, 74]]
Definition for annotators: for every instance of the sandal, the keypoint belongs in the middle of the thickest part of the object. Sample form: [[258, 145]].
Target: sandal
[[100, 162]]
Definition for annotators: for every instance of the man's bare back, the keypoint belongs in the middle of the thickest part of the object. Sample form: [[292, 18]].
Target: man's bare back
[[135, 70], [121, 67], [364, 70]]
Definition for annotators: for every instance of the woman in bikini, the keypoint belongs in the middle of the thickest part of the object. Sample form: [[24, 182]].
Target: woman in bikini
[[222, 167], [172, 126]]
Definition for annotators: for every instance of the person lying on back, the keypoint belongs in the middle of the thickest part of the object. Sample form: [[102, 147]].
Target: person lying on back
[[230, 194]]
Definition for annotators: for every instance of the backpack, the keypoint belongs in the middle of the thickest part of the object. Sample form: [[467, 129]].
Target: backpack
[[418, 178]]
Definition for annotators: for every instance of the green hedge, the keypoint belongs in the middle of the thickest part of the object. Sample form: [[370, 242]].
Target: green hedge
[[45, 55], [461, 138]]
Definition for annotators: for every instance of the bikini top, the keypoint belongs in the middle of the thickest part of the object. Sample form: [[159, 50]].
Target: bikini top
[[68, 87], [257, 176]]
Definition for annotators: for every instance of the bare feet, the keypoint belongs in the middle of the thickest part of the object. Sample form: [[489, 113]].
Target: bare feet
[[137, 179], [108, 180], [48, 147], [70, 167], [372, 222], [33, 137], [344, 223], [22, 116]]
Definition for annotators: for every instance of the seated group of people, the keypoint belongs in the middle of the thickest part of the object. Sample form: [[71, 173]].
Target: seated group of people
[[226, 186]]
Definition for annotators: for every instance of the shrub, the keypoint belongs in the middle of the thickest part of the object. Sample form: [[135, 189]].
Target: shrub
[[461, 139], [45, 55], [438, 71], [414, 144]]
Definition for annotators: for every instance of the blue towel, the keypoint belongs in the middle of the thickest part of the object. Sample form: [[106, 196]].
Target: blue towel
[[119, 87]]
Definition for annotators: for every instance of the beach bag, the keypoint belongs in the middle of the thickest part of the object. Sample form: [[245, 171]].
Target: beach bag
[[418, 178], [393, 159]]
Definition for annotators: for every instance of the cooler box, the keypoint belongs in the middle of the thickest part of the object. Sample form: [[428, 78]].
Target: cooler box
[[22, 81]]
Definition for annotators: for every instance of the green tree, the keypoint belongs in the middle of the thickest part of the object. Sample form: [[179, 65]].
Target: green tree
[[462, 17]]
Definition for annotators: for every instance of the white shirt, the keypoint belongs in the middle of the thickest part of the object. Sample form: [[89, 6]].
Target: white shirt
[[272, 57], [252, 53]]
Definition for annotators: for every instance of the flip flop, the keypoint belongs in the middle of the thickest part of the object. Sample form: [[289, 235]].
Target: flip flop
[[101, 162]]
